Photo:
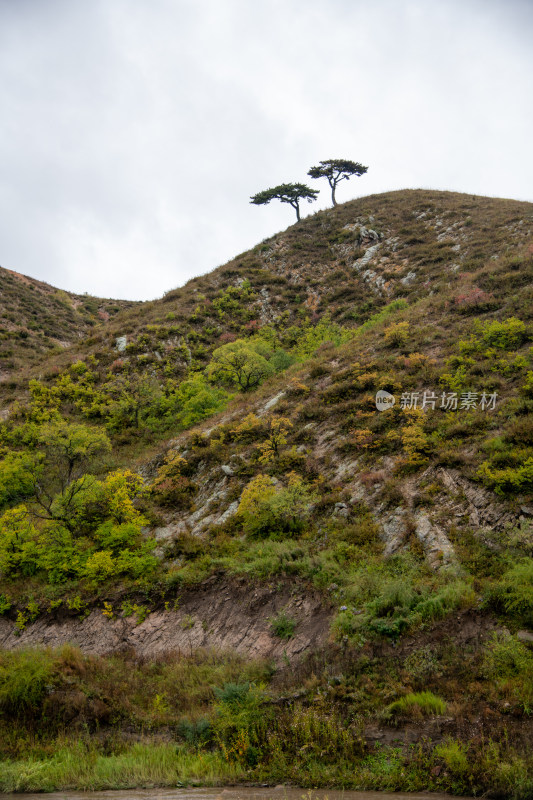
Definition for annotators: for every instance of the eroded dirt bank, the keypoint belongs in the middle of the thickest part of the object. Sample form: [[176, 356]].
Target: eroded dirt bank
[[220, 614]]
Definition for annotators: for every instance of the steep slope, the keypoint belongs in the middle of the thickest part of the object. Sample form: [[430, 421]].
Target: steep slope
[[380, 556], [36, 318]]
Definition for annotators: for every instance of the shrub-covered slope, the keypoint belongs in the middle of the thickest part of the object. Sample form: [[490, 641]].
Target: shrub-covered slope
[[225, 442], [347, 262], [36, 318]]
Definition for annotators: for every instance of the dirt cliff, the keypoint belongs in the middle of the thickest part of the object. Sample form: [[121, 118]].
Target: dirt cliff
[[219, 614]]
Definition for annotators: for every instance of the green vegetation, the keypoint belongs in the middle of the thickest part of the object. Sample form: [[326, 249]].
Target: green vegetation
[[226, 720], [90, 532], [82, 767], [506, 335], [241, 364], [417, 703], [513, 592], [270, 511], [283, 626]]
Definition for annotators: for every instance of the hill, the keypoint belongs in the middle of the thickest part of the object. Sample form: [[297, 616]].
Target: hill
[[208, 488], [348, 262], [37, 318]]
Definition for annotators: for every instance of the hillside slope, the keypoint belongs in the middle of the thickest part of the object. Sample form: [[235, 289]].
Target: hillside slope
[[348, 261], [36, 318], [211, 474]]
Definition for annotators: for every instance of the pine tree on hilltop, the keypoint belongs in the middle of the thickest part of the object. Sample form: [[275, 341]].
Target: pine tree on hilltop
[[290, 193], [336, 170]]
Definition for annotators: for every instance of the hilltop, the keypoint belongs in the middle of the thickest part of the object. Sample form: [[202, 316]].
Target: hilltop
[[206, 480]]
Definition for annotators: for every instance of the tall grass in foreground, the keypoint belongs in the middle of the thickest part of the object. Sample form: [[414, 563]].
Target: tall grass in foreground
[[469, 768], [76, 767]]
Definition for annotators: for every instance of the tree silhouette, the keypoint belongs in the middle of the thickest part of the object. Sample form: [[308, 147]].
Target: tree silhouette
[[336, 170], [290, 193]]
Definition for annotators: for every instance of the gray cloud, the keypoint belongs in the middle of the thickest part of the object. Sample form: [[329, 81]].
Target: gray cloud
[[133, 133]]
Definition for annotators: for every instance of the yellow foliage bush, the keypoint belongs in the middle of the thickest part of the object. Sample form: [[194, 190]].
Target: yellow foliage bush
[[363, 439], [396, 335], [278, 428], [248, 428]]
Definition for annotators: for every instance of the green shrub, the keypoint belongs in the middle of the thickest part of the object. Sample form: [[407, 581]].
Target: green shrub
[[198, 733], [59, 555], [345, 624], [234, 695], [310, 337], [507, 335], [240, 720], [509, 664], [382, 315], [25, 676], [527, 388], [115, 538], [281, 360], [191, 402], [507, 657], [513, 593], [270, 510], [318, 737], [266, 558], [19, 544], [402, 602], [454, 755], [5, 604], [395, 596], [18, 473], [100, 566], [454, 595], [138, 563], [241, 364], [509, 480], [283, 626]]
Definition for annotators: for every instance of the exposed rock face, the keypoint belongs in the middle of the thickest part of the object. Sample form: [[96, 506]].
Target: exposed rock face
[[408, 279], [482, 506], [437, 547], [216, 615], [271, 403], [365, 259], [394, 531]]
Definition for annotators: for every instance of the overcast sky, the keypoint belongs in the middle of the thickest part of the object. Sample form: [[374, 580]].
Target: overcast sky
[[133, 132]]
